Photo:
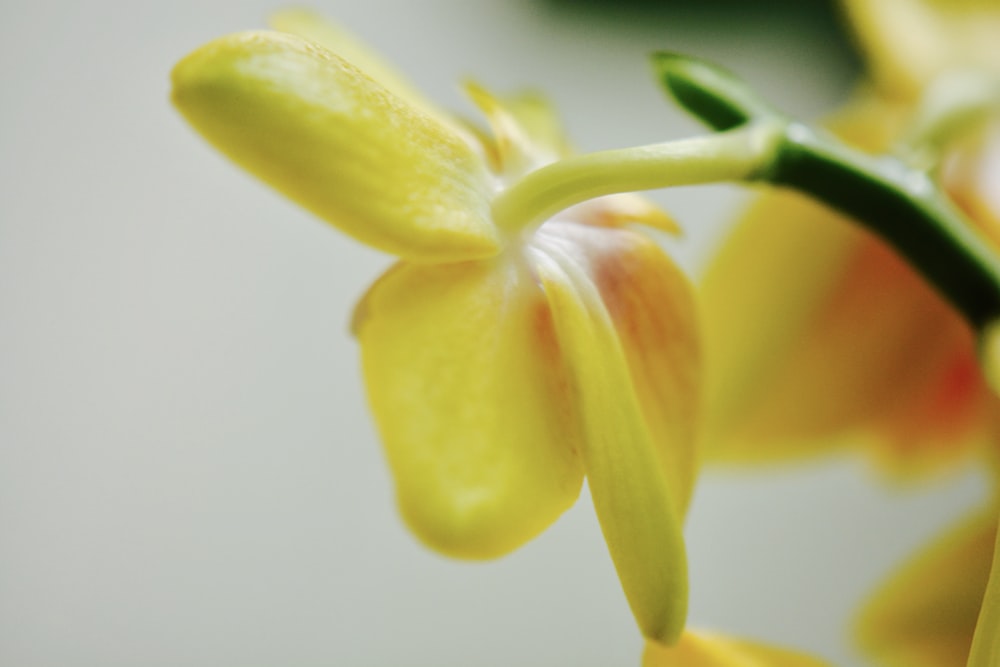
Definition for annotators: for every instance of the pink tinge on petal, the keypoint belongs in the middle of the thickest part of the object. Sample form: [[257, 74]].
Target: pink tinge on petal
[[650, 304]]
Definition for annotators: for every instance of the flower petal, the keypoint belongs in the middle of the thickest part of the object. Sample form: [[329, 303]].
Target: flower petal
[[925, 614], [329, 137], [698, 649], [310, 25], [639, 486], [910, 42], [517, 151], [972, 177], [469, 393], [985, 650]]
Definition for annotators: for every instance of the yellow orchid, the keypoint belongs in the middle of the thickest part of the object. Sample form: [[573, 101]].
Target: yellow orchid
[[823, 337], [790, 372], [527, 338]]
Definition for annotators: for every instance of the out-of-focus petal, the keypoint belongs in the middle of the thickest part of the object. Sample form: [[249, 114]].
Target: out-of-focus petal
[[329, 137], [925, 614], [701, 649], [910, 42], [791, 369], [986, 640], [637, 443], [471, 398], [972, 179]]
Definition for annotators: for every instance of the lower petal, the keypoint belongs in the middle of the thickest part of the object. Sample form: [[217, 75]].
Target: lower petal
[[468, 392], [633, 496]]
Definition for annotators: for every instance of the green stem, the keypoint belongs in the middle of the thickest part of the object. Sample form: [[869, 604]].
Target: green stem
[[726, 156], [894, 200], [902, 206]]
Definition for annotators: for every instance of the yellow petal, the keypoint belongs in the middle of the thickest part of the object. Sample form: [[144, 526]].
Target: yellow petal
[[699, 649], [986, 641], [329, 137], [909, 42], [517, 151], [651, 307], [971, 177], [638, 485], [925, 614], [539, 121], [469, 394], [310, 25]]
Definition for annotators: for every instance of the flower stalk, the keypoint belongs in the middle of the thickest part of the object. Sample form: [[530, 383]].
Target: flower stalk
[[895, 200], [727, 156]]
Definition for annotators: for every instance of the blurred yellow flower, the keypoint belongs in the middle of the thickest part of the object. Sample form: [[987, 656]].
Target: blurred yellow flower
[[514, 349], [817, 335], [790, 370]]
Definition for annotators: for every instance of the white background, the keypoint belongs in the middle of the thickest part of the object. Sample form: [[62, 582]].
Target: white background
[[188, 475]]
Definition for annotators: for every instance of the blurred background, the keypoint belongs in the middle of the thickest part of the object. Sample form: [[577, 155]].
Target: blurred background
[[188, 475]]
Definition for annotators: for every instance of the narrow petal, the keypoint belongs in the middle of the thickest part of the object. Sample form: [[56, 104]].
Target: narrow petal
[[517, 151], [638, 486], [698, 649], [470, 397], [986, 641], [651, 306], [925, 614], [909, 42], [326, 135]]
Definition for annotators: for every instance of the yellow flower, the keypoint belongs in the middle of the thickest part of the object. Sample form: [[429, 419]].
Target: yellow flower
[[822, 336], [516, 347], [791, 371], [925, 614], [817, 335]]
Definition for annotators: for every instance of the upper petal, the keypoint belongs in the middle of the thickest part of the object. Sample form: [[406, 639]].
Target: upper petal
[[328, 136], [639, 485], [310, 25], [469, 394], [700, 649], [925, 614]]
